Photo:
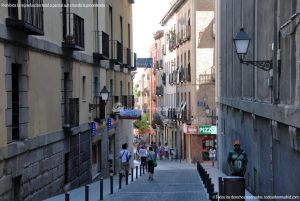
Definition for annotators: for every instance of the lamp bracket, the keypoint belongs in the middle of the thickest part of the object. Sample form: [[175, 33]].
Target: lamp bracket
[[265, 65]]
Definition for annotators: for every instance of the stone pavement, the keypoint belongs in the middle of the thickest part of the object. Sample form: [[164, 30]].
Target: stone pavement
[[173, 181]]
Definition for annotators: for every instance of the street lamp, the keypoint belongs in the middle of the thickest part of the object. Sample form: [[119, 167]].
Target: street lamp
[[241, 43], [104, 93]]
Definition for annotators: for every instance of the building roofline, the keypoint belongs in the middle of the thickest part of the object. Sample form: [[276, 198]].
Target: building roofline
[[171, 11]]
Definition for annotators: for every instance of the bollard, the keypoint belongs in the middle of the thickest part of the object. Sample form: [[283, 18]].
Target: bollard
[[126, 177], [136, 171], [120, 180], [86, 193], [131, 174], [221, 188], [111, 184], [67, 197], [101, 188], [140, 170]]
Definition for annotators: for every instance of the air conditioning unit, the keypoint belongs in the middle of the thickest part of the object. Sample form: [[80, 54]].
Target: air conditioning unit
[[131, 1]]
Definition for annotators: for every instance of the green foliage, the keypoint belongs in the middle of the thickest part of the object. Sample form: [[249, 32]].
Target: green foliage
[[142, 124]]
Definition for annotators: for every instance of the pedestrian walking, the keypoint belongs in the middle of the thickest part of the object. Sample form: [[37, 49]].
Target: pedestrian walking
[[237, 160], [151, 163], [143, 155], [212, 155], [166, 151], [124, 157]]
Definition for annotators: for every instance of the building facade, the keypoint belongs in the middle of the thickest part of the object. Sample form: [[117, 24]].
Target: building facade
[[54, 63], [189, 64], [260, 108]]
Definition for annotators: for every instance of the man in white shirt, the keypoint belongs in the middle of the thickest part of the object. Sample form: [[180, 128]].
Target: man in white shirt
[[124, 157], [143, 155]]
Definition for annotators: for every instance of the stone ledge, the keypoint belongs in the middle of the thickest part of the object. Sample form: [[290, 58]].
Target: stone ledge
[[286, 114]]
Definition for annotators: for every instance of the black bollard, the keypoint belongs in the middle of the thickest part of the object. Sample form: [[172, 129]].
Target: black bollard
[[136, 172], [126, 177], [67, 197], [131, 174], [120, 180], [111, 184], [86, 193], [101, 188], [140, 170]]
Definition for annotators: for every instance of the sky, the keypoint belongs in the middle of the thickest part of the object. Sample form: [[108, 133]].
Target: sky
[[147, 15]]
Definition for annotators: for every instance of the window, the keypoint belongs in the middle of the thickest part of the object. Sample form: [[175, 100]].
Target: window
[[129, 33], [96, 86], [83, 95], [111, 87], [121, 88], [78, 30], [121, 28], [15, 101], [111, 27]]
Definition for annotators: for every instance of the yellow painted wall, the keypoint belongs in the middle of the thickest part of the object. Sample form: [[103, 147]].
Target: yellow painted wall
[[44, 96], [80, 70], [3, 98]]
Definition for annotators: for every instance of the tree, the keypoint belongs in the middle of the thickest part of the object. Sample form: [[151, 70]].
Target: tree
[[142, 124]]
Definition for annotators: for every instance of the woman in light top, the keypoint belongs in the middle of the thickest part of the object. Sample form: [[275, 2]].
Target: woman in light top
[[151, 161]]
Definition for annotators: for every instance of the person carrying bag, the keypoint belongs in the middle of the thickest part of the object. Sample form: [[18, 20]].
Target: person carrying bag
[[151, 163]]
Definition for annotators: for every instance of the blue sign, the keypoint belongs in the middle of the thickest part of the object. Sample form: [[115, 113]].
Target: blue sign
[[108, 123], [200, 104], [144, 62], [93, 128], [130, 114]]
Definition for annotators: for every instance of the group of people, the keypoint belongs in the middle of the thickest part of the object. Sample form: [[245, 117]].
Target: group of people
[[148, 157], [237, 158]]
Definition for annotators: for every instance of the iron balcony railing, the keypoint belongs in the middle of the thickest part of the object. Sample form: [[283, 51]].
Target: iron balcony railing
[[101, 49], [117, 52], [74, 36], [31, 19], [127, 57]]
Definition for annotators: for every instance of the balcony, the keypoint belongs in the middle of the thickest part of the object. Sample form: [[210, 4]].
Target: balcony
[[73, 33], [188, 73], [99, 109], [124, 101], [208, 77], [101, 49], [160, 91], [172, 114], [127, 58], [28, 19], [117, 52], [71, 113], [133, 63], [181, 75], [163, 78], [188, 32]]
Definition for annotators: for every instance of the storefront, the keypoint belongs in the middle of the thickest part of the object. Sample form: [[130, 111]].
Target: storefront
[[197, 141], [208, 135]]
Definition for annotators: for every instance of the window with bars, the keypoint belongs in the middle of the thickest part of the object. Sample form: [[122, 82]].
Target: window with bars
[[29, 17]]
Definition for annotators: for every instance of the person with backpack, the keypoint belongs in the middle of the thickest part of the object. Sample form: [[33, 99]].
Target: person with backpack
[[124, 157], [151, 163], [237, 160]]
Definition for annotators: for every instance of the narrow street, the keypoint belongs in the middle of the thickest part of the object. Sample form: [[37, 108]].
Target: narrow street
[[172, 181]]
